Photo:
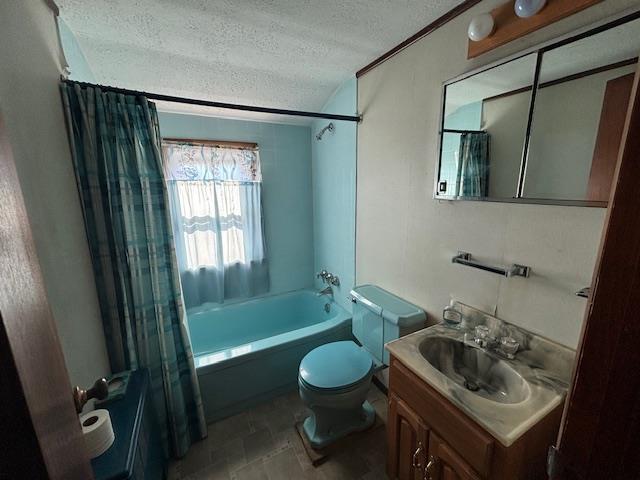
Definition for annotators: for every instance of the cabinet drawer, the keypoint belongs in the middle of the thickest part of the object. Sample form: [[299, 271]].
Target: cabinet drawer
[[472, 443]]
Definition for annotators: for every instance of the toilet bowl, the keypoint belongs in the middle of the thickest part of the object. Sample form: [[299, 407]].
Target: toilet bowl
[[334, 379]]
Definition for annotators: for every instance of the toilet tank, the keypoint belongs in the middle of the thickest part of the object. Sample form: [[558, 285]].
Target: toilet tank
[[380, 317]]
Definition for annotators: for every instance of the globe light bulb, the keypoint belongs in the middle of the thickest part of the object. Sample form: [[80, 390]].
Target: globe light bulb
[[480, 27], [528, 8]]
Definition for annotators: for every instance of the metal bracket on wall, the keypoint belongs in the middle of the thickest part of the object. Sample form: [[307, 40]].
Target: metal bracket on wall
[[584, 292], [515, 270]]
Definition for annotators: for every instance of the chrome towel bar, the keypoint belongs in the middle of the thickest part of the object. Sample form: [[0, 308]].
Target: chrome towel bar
[[515, 270]]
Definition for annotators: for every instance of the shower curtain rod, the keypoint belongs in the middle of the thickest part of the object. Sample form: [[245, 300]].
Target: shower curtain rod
[[208, 103]]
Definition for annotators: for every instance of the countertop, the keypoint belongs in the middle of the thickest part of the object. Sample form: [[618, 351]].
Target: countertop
[[545, 365]]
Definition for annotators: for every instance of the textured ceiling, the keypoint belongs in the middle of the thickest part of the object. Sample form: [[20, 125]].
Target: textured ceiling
[[280, 53]]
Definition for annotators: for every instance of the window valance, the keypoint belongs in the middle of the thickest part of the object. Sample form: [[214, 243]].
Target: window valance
[[190, 162]]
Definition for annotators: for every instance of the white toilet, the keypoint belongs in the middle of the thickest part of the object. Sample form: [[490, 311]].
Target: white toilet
[[334, 378]]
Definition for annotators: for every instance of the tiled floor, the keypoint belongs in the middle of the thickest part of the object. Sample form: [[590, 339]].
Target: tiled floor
[[262, 444]]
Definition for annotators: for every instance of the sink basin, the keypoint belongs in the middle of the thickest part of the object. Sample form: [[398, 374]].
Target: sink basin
[[475, 370]]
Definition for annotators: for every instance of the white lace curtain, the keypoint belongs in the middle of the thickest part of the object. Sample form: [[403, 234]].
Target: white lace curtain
[[215, 197]]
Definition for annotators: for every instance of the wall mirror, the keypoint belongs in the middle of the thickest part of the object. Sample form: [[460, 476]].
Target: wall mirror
[[544, 127], [483, 131], [579, 112]]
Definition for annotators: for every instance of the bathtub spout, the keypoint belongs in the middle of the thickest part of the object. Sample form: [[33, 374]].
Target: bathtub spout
[[325, 291]]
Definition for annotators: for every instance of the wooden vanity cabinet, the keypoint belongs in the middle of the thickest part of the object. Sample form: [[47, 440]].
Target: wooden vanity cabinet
[[412, 447], [431, 439], [446, 463], [407, 441]]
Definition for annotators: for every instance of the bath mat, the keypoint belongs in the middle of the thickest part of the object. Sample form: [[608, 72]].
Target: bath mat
[[318, 456]]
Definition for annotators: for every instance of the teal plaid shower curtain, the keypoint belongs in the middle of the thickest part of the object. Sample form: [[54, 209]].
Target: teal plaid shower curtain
[[472, 179], [115, 145]]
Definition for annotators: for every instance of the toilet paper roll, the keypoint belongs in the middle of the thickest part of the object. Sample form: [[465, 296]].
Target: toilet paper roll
[[97, 431]]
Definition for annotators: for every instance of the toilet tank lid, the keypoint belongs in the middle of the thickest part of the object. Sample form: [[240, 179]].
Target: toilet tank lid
[[392, 308]]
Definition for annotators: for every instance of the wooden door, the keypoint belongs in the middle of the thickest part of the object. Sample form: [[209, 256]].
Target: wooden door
[[40, 435], [599, 436], [408, 442], [605, 153], [444, 463]]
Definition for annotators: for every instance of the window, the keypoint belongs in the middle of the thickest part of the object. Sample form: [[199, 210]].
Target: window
[[215, 197]]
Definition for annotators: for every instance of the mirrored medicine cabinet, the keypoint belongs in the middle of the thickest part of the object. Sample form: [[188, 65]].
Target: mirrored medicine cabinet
[[543, 127]]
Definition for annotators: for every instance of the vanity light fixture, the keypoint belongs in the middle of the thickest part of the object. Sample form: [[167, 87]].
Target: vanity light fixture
[[528, 8], [481, 27]]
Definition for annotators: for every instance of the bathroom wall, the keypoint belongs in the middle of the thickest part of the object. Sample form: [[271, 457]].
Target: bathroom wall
[[30, 103], [405, 239], [285, 155], [79, 69], [334, 192]]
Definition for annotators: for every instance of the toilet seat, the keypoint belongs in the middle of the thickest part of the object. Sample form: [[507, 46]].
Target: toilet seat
[[335, 367]]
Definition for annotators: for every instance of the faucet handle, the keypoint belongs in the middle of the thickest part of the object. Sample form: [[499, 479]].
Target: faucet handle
[[328, 277], [481, 335], [508, 347], [332, 279]]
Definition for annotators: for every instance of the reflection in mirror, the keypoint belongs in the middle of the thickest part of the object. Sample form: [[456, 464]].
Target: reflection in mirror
[[484, 125], [579, 114]]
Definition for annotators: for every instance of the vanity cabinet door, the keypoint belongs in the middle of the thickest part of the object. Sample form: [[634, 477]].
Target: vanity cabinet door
[[408, 442], [445, 464]]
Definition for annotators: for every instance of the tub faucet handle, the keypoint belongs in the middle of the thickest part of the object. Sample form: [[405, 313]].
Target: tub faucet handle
[[322, 274], [333, 280]]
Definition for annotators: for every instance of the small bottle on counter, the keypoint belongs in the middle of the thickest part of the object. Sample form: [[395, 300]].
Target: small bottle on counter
[[451, 317]]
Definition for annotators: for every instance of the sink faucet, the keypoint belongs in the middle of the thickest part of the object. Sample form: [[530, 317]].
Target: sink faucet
[[505, 346], [325, 291]]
